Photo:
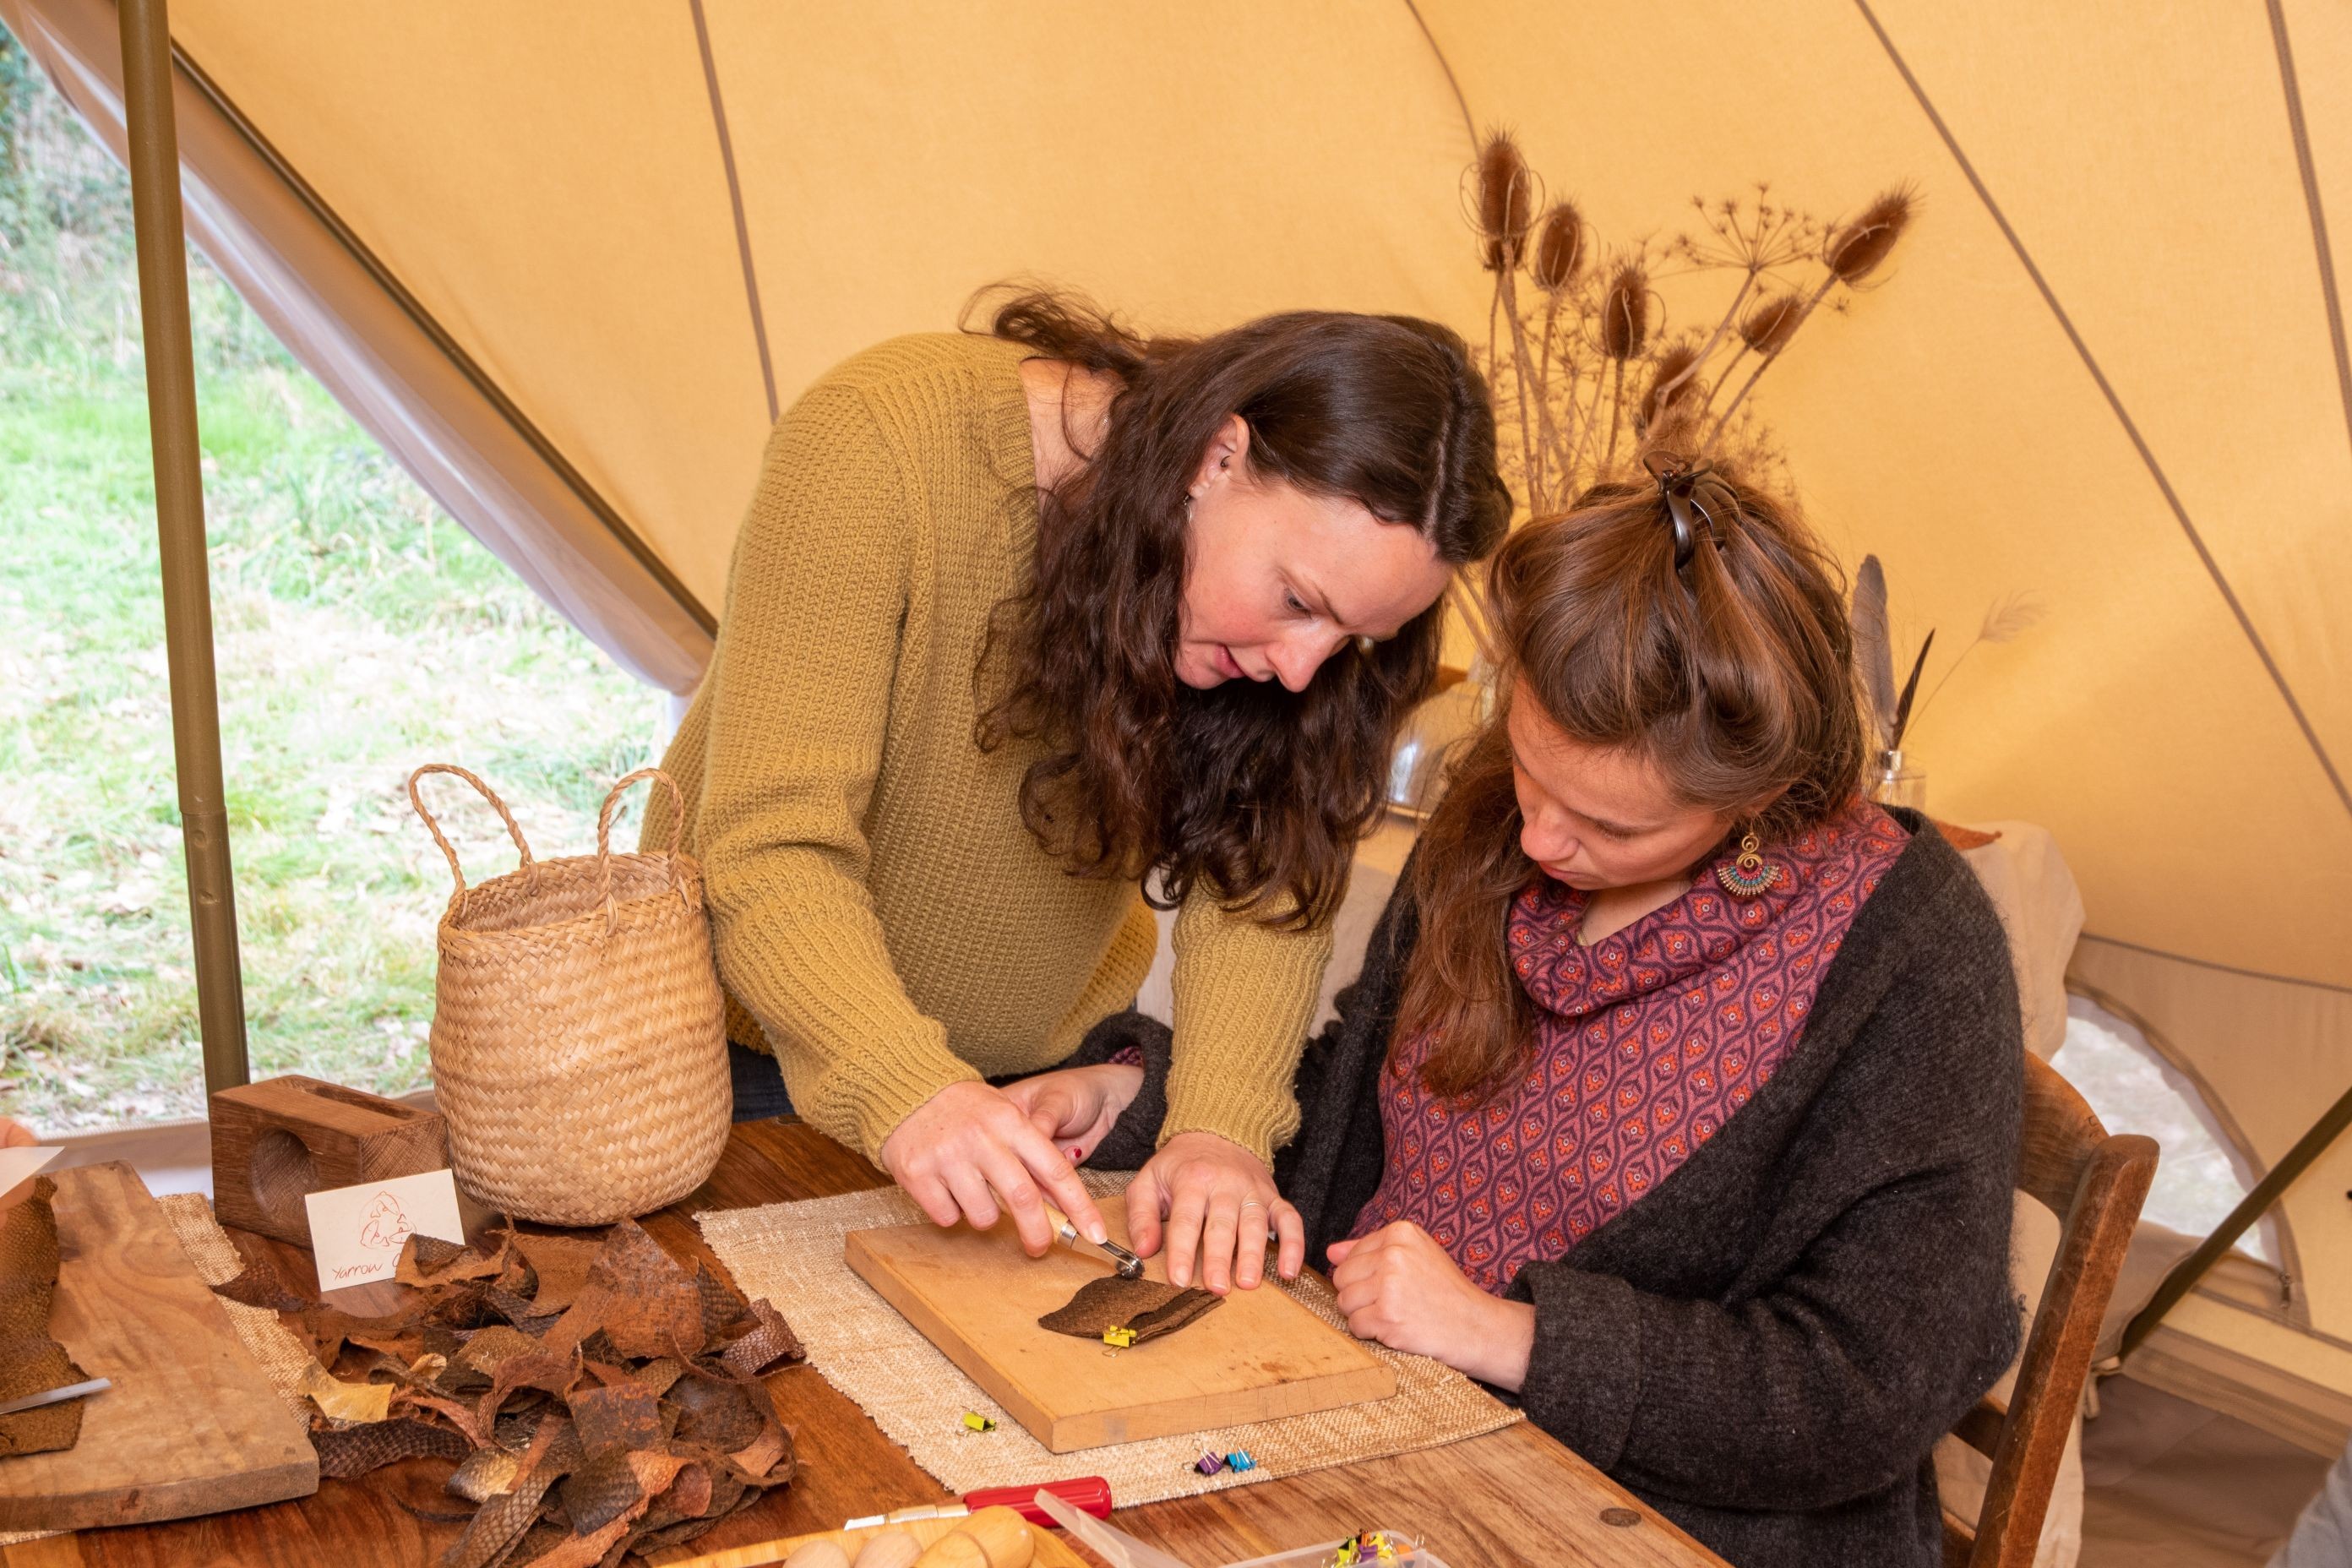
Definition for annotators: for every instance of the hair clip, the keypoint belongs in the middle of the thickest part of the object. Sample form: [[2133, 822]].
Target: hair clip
[[1690, 488]]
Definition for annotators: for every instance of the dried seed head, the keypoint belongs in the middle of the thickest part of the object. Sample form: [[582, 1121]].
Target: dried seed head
[[1625, 312], [1770, 325], [1669, 384], [1559, 247], [1857, 250], [1506, 201]]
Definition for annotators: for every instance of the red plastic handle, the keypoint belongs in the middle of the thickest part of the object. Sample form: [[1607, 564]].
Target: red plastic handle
[[1087, 1494]]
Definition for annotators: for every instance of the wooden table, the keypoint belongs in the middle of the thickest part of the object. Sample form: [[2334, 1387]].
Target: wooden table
[[1512, 1498]]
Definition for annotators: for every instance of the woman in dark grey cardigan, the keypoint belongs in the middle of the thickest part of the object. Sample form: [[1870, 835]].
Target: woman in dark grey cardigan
[[1712, 1168]]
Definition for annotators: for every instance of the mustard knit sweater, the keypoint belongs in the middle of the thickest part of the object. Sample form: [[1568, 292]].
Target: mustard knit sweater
[[885, 924]]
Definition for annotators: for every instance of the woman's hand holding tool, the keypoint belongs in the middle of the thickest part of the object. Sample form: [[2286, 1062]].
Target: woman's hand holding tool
[[970, 1152]]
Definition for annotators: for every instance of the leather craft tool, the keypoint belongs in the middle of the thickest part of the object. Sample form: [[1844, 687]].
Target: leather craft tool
[[56, 1396], [1130, 1266], [1088, 1494]]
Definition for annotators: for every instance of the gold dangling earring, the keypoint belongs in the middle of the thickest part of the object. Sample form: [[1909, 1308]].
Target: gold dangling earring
[[1749, 875]]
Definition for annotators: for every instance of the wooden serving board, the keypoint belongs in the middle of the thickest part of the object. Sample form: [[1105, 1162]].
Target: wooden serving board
[[192, 1424], [978, 1297]]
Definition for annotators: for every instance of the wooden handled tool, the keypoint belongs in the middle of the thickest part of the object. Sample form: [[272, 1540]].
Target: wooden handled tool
[[1130, 1266]]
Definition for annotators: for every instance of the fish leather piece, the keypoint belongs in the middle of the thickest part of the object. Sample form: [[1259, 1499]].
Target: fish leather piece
[[30, 1360], [772, 1341], [587, 1391], [621, 1416], [348, 1451], [600, 1491], [1150, 1307]]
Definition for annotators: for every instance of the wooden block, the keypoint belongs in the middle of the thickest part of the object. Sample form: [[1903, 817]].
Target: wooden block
[[977, 1297], [192, 1424], [276, 1140]]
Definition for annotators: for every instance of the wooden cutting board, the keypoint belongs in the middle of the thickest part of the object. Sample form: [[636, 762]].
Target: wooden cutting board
[[978, 1297], [192, 1424]]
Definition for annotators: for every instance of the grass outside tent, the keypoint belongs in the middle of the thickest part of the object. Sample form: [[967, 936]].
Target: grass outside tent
[[360, 632]]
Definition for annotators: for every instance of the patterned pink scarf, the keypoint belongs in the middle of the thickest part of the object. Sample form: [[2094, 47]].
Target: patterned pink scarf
[[1646, 1043]]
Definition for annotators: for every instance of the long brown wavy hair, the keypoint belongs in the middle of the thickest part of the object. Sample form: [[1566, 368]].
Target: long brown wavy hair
[[1733, 676], [1254, 791]]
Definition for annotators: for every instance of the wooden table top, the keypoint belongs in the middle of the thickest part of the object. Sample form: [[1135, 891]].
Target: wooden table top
[[1512, 1498]]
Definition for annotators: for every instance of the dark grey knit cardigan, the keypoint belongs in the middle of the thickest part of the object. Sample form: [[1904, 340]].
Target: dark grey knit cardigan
[[1767, 1346]]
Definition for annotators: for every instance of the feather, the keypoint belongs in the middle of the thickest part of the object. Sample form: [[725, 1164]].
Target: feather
[[1910, 689], [2009, 616], [1872, 648]]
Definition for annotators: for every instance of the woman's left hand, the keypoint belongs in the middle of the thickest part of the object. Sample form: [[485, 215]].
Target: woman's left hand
[[1213, 1203], [1399, 1287]]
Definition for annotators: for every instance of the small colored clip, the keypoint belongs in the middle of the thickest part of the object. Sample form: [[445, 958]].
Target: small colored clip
[[1210, 1463], [1119, 1338], [1240, 1461], [977, 1422], [1348, 1556]]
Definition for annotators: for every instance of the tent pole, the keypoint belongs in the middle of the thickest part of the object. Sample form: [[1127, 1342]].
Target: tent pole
[[154, 162], [2281, 1176]]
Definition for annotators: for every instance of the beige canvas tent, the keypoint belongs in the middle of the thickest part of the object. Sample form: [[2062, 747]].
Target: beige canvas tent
[[568, 260]]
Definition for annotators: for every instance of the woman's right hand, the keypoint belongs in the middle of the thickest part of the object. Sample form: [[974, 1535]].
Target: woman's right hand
[[971, 1151], [1077, 1107]]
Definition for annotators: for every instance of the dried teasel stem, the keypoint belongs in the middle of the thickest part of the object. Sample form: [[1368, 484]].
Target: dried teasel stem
[[1559, 256], [1559, 249], [1506, 201], [1861, 246], [1670, 382], [1625, 328], [1666, 390], [1853, 253]]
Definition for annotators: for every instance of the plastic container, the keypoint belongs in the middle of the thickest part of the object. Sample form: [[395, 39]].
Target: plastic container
[[1410, 1553]]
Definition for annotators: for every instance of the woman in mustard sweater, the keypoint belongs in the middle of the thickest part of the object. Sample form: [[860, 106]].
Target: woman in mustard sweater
[[1021, 630]]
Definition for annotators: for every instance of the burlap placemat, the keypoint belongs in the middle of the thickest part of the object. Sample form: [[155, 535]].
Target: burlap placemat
[[217, 1261], [792, 1254]]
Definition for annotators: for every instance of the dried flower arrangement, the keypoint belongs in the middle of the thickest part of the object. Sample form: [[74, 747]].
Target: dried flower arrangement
[[596, 1397], [1579, 351], [1892, 712]]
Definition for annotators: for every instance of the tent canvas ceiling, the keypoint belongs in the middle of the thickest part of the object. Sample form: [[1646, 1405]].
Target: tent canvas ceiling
[[2107, 367]]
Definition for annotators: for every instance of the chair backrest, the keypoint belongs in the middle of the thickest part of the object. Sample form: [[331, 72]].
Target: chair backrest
[[2094, 1183]]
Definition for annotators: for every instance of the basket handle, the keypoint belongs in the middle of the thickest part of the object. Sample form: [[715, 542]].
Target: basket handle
[[416, 799], [604, 828]]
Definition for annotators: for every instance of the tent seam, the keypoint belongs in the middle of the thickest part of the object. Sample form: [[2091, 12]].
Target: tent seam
[[2116, 405], [1461, 102], [2210, 963], [2308, 168], [735, 201], [479, 379]]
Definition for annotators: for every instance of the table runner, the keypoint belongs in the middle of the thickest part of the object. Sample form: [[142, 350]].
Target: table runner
[[792, 1254]]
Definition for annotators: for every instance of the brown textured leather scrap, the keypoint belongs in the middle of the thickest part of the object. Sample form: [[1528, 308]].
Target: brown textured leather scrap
[[347, 1451], [772, 1341], [1150, 1307], [594, 1396], [30, 1360]]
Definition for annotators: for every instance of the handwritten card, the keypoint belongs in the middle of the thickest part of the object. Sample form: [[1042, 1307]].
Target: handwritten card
[[22, 1163], [356, 1232]]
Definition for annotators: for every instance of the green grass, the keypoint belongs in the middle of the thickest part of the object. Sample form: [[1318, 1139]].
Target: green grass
[[360, 633]]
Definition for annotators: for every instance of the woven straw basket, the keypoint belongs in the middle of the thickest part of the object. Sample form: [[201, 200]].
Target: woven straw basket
[[578, 1041]]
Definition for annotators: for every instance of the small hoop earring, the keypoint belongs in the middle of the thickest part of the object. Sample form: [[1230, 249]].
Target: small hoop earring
[[1750, 875]]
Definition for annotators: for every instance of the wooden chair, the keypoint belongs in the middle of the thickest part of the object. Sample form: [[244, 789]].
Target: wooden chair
[[2094, 1183]]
